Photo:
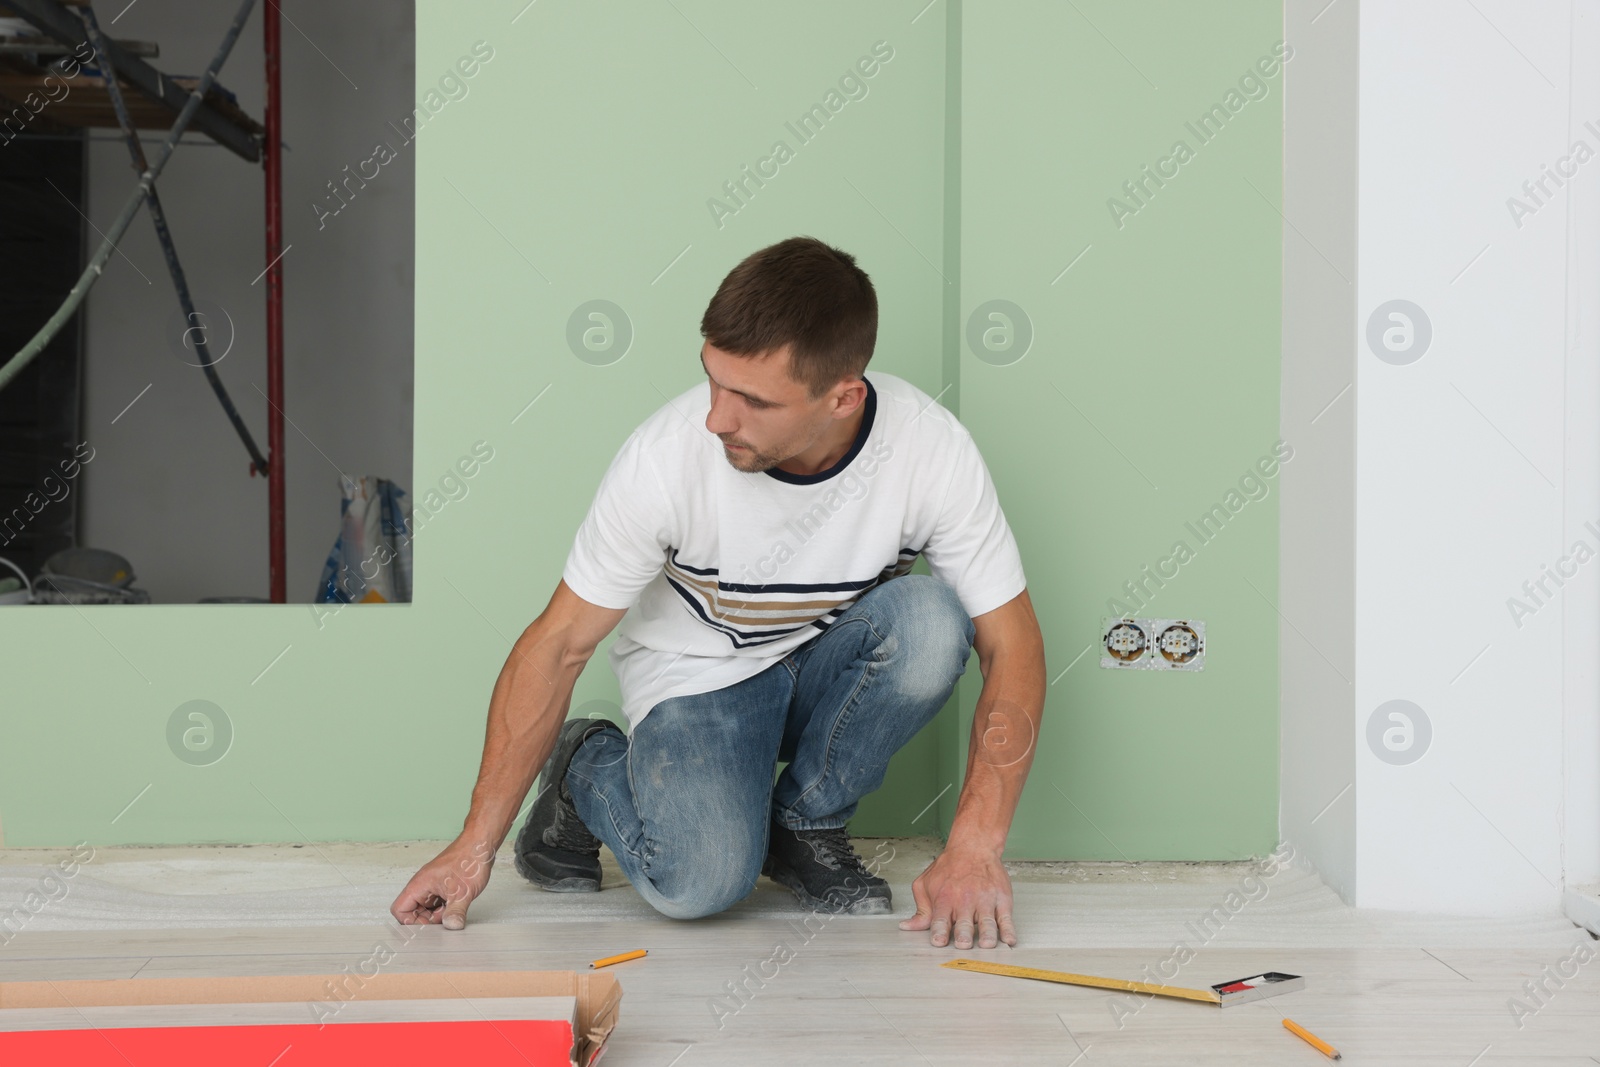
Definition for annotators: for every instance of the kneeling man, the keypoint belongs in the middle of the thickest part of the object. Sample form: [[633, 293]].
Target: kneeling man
[[754, 538]]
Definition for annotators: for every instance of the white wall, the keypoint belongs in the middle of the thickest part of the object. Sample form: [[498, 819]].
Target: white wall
[[1477, 463], [1581, 647], [1432, 490], [168, 486]]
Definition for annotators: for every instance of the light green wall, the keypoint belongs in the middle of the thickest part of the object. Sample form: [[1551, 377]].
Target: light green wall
[[577, 168], [1165, 338]]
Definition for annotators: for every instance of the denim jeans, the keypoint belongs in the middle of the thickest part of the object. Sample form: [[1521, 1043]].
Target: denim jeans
[[685, 802]]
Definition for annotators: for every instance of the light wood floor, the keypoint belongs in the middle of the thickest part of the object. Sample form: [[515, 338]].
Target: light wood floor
[[1385, 988]]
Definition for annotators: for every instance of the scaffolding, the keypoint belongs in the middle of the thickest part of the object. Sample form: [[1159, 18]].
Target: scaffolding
[[134, 95]]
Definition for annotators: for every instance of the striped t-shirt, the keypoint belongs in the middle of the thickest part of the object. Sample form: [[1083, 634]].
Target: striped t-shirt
[[725, 572]]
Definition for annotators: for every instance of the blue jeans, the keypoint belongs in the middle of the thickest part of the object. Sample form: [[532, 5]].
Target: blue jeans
[[685, 802]]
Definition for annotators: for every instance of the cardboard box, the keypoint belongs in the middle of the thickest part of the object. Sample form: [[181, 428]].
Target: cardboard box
[[482, 1017]]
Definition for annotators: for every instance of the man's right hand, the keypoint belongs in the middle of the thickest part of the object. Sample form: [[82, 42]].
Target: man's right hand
[[441, 891], [530, 699]]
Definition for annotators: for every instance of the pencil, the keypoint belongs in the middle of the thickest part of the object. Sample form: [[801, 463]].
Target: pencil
[[624, 958], [1312, 1039]]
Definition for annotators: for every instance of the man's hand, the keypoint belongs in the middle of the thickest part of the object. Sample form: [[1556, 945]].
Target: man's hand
[[442, 889], [967, 890]]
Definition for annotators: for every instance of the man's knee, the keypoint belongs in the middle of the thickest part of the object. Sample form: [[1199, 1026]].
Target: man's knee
[[604, 748], [929, 627], [703, 884], [931, 604], [702, 853]]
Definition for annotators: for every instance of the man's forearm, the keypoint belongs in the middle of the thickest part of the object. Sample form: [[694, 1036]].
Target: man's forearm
[[1005, 734], [526, 710]]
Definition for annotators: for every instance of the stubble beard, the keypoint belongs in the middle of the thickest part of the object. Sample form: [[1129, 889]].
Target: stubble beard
[[749, 461]]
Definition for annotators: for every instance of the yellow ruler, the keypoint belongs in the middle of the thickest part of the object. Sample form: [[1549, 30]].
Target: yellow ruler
[[1205, 995]]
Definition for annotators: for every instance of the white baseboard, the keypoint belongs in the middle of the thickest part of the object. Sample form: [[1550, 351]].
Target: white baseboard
[[1583, 907]]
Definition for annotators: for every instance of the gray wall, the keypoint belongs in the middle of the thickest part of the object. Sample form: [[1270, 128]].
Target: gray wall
[[1317, 506], [169, 486]]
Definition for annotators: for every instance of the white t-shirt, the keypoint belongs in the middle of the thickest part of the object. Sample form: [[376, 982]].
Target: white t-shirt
[[725, 572]]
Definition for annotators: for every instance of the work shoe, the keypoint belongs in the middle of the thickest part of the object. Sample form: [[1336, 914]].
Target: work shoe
[[554, 850], [822, 870]]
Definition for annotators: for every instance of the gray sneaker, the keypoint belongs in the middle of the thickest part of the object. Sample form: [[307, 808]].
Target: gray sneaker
[[554, 850]]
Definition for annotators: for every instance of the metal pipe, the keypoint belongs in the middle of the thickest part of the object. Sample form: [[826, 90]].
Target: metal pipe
[[168, 249], [147, 181], [273, 161]]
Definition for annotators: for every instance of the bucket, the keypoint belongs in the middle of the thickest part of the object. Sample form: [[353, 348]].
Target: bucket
[[87, 576], [17, 596]]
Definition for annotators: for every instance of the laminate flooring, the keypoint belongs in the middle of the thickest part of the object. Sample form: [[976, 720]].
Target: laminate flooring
[[769, 982]]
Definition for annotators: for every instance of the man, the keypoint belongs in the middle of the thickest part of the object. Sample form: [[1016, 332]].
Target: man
[[754, 537]]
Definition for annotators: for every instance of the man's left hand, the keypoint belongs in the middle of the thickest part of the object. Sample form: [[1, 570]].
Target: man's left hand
[[964, 892]]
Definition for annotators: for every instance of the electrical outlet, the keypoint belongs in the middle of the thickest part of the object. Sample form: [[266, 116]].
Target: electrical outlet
[[1180, 644], [1124, 642], [1129, 643]]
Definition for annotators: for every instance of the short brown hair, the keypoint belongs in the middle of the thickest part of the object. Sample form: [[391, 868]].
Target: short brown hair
[[803, 292]]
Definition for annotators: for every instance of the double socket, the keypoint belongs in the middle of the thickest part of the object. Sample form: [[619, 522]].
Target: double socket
[[1129, 643]]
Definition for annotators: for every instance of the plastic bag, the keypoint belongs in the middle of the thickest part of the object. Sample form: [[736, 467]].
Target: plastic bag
[[371, 559]]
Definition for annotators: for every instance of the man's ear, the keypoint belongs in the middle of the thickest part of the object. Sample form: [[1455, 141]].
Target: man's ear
[[855, 385]]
